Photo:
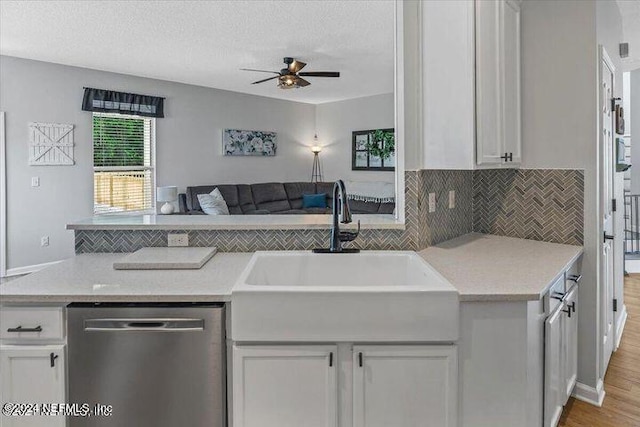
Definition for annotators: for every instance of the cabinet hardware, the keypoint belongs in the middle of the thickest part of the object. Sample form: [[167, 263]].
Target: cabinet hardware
[[360, 359], [508, 157], [608, 237], [21, 329], [572, 307], [568, 311], [574, 277], [52, 359], [615, 304], [614, 205], [331, 359]]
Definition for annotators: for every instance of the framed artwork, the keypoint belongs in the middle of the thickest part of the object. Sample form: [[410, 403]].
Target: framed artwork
[[363, 159], [249, 143], [51, 144]]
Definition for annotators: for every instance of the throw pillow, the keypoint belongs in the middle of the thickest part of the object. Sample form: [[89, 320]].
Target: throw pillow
[[213, 203], [314, 201]]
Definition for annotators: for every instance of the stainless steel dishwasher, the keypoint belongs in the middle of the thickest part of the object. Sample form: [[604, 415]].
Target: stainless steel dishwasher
[[156, 365]]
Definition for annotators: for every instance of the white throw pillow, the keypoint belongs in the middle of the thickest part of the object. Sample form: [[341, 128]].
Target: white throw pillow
[[213, 203]]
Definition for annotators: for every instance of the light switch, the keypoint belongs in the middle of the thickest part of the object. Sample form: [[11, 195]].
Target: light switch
[[432, 202], [35, 181], [452, 199]]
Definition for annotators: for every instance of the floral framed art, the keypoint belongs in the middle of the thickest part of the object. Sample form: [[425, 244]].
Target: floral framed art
[[249, 143]]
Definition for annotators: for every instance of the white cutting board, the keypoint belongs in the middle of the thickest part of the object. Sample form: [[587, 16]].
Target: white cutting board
[[165, 259]]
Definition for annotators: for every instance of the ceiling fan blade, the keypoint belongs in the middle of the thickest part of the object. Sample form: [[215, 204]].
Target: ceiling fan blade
[[265, 80], [302, 82], [296, 66], [259, 71], [320, 74]]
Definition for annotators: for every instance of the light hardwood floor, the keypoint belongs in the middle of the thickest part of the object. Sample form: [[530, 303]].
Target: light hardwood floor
[[621, 407]]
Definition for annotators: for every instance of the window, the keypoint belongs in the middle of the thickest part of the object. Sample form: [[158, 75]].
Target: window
[[123, 163]]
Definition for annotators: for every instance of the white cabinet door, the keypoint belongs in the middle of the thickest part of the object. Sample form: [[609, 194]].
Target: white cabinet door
[[29, 377], [553, 375], [405, 386], [510, 50], [570, 343], [498, 128], [284, 386]]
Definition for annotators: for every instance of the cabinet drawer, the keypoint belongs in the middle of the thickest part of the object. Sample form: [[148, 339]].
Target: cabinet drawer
[[36, 323]]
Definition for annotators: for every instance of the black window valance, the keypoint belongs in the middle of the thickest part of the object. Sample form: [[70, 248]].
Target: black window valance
[[109, 101]]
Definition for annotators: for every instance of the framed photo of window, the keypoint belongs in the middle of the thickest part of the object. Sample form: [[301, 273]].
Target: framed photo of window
[[362, 159]]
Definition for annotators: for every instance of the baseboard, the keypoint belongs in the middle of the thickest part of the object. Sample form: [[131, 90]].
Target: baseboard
[[18, 271], [594, 396], [621, 323], [632, 265]]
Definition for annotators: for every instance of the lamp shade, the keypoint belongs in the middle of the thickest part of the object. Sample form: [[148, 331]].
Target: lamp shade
[[167, 194]]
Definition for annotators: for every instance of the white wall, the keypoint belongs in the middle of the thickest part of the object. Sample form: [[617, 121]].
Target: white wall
[[335, 123], [188, 145], [559, 121], [634, 129]]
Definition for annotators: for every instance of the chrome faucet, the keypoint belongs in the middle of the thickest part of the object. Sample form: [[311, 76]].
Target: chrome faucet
[[341, 214]]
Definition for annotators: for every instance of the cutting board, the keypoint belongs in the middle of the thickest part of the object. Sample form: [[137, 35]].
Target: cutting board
[[165, 259]]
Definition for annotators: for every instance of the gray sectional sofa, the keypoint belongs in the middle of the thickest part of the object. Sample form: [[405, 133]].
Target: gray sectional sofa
[[274, 198]]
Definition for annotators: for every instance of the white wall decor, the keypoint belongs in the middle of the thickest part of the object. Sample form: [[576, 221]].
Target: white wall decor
[[50, 144]]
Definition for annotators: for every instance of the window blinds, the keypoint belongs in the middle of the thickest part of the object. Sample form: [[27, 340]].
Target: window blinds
[[122, 163]]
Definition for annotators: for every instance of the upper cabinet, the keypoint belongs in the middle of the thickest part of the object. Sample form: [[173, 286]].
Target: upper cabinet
[[470, 84], [497, 29]]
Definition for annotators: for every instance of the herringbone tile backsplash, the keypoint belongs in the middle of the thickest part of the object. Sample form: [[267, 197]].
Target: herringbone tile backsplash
[[538, 204]]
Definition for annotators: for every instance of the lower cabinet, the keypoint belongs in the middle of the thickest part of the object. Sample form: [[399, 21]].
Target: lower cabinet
[[285, 386], [570, 343], [404, 386], [32, 374], [292, 386]]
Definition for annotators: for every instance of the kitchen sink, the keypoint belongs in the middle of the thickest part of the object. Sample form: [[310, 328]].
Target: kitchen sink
[[390, 296]]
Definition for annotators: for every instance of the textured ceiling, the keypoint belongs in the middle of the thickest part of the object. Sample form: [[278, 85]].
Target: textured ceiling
[[206, 42], [630, 11]]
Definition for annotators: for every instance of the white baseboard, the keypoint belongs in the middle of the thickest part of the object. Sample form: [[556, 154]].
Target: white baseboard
[[18, 271], [632, 265], [594, 396], [620, 325]]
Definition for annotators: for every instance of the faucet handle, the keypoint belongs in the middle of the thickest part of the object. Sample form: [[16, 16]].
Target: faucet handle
[[348, 236]]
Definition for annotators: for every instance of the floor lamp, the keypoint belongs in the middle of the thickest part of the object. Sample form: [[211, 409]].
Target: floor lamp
[[316, 171]]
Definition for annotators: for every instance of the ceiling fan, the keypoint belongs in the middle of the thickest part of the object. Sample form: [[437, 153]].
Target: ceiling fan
[[290, 77]]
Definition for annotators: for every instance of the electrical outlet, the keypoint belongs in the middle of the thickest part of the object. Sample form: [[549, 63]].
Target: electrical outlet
[[35, 181], [452, 199], [44, 241], [432, 202], [175, 239]]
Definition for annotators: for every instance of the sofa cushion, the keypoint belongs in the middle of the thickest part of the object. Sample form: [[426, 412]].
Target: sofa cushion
[[295, 191], [314, 201], [326, 188], [213, 203], [270, 196]]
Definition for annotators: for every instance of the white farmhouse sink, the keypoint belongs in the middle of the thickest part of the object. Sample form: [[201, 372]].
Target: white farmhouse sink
[[388, 296]]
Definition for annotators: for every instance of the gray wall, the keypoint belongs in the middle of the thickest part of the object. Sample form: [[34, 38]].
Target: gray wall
[[188, 146], [559, 121], [337, 120]]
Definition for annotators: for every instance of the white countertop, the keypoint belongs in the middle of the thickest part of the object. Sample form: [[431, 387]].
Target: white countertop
[[92, 278], [228, 222], [484, 267], [481, 267]]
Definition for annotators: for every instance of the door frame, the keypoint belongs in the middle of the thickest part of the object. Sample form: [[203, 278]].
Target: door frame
[[3, 197], [603, 59]]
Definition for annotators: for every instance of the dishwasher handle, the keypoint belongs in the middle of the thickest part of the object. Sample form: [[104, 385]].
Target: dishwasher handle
[[144, 325]]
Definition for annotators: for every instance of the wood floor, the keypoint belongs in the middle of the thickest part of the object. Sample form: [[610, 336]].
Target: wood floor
[[621, 407]]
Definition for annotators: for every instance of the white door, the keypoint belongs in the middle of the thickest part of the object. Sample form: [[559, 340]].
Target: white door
[[570, 343], [553, 383], [284, 386], [606, 209], [32, 374], [405, 386]]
